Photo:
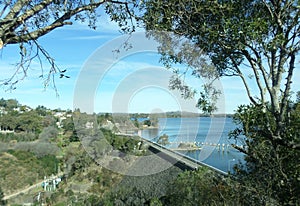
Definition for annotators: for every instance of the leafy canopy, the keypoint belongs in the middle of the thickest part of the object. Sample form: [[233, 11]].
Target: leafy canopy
[[256, 41]]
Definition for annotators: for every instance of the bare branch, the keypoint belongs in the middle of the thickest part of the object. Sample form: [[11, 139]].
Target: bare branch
[[240, 74], [286, 92], [257, 64], [256, 74]]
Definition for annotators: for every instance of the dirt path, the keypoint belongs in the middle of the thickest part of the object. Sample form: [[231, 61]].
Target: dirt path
[[6, 197]]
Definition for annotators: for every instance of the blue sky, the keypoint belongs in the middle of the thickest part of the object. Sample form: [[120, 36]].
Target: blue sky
[[137, 82]]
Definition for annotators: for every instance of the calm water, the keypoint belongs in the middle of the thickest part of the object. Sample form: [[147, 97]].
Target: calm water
[[204, 131]]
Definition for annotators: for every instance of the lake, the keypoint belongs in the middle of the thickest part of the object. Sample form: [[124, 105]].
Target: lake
[[206, 132]]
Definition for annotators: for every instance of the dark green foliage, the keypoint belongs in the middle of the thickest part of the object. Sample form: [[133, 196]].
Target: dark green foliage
[[48, 134], [141, 190], [19, 137], [256, 42], [125, 144], [40, 149], [42, 166], [49, 161], [125, 196], [136, 123], [42, 110], [102, 118], [68, 124], [2, 202], [163, 140], [49, 120], [69, 129], [22, 122], [153, 121], [9, 104], [147, 122], [81, 163], [298, 97], [272, 168], [201, 187], [29, 122], [9, 121]]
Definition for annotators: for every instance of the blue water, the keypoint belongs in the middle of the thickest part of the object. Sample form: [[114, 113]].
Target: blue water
[[203, 131]]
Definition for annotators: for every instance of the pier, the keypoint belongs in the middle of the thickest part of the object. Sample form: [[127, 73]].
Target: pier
[[192, 146]]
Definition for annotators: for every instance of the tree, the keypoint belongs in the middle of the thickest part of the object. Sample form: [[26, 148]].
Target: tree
[[200, 187], [11, 104], [8, 121], [29, 122], [136, 123], [42, 110], [69, 127], [256, 41], [298, 97], [271, 170], [147, 122], [23, 22], [48, 134], [163, 140]]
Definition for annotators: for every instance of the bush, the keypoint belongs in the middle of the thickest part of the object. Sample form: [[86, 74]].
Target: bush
[[48, 134], [40, 149]]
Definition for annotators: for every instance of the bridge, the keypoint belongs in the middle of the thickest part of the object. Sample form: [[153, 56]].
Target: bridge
[[178, 159]]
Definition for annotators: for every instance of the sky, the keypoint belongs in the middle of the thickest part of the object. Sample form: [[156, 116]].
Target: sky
[[101, 80]]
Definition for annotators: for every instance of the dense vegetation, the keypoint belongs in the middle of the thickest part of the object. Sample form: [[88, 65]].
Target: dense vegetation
[[28, 156], [255, 41]]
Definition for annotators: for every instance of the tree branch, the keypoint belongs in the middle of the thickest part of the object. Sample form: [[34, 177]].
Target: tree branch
[[256, 74], [15, 10], [286, 92], [259, 66], [12, 24], [241, 149], [31, 12], [240, 74], [36, 34], [4, 8]]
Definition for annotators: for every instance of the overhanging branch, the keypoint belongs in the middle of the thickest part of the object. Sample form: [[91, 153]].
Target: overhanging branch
[[36, 34]]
